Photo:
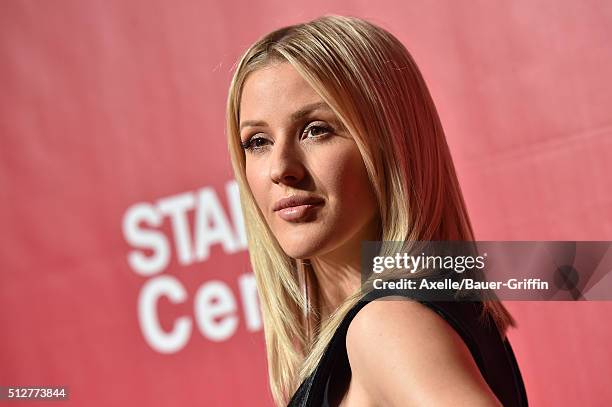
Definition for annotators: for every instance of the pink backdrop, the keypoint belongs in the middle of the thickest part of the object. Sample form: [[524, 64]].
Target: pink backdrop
[[124, 272]]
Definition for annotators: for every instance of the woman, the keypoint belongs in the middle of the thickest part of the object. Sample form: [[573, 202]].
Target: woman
[[335, 140]]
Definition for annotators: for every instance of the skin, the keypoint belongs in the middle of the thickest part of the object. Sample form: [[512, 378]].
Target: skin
[[312, 154], [401, 353]]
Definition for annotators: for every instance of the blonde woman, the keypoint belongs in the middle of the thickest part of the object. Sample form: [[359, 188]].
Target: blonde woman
[[334, 140]]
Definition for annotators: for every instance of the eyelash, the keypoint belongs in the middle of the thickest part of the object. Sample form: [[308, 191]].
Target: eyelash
[[248, 145]]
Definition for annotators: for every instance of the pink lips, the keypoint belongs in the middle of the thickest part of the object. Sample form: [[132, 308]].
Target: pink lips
[[297, 208]]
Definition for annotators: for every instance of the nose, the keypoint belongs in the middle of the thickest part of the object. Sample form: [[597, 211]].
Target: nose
[[286, 165]]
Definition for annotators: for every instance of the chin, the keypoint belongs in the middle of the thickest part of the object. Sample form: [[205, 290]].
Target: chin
[[299, 250], [304, 244], [298, 253]]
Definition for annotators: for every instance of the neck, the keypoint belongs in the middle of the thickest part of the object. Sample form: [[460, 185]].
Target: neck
[[338, 273], [336, 281]]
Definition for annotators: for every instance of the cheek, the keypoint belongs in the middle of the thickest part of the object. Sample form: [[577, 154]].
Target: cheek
[[345, 177]]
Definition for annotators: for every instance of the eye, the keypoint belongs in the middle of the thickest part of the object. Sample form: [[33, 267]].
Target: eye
[[315, 130], [254, 143], [318, 130]]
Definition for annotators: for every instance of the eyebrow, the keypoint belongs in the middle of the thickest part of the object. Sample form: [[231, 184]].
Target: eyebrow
[[294, 116]]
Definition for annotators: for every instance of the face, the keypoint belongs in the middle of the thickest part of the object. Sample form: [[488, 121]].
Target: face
[[305, 171]]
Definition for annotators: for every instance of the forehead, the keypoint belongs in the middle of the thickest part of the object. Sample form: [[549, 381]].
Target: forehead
[[275, 89]]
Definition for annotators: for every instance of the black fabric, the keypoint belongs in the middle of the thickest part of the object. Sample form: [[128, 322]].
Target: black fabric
[[492, 354]]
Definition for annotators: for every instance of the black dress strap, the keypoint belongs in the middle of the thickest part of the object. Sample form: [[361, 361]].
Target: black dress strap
[[492, 353]]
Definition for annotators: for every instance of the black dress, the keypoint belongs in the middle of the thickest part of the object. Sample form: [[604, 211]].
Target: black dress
[[494, 356]]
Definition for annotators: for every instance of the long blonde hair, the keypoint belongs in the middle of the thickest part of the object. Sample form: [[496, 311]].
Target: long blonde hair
[[373, 85]]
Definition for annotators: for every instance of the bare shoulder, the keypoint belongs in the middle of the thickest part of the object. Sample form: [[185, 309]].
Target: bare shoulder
[[403, 353]]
